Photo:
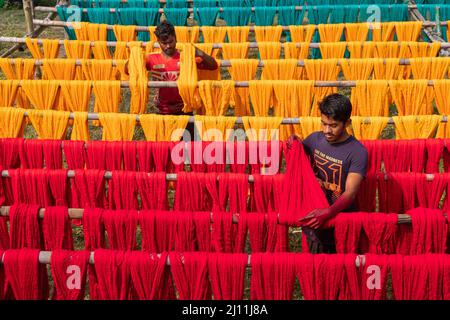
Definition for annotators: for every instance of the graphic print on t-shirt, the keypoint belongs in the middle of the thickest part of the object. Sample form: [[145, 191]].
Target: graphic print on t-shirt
[[331, 169]]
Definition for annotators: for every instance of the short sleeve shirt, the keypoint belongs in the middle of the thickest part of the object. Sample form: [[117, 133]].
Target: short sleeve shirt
[[333, 162], [162, 68]]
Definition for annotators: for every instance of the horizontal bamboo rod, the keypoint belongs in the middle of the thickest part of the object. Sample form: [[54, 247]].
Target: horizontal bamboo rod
[[95, 116], [77, 213], [224, 63], [173, 176], [239, 84], [251, 45], [160, 10], [411, 6], [45, 258], [146, 29]]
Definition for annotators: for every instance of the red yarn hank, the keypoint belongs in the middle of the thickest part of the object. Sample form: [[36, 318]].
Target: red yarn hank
[[302, 192], [367, 194], [25, 275], [374, 151], [227, 275], [58, 181], [158, 230], [273, 276], [52, 154], [150, 276], [429, 193], [88, 189], [24, 227], [122, 193], [121, 227], [429, 231], [347, 231], [381, 230], [152, 188], [93, 229], [110, 277], [69, 270], [75, 153], [56, 229], [31, 154], [96, 155], [10, 152], [435, 151], [190, 274], [144, 155], [129, 156], [31, 186], [233, 192]]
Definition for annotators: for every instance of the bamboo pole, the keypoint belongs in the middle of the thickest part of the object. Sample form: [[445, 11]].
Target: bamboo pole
[[27, 4], [241, 84], [143, 28], [252, 45], [45, 258], [173, 176], [222, 63], [77, 213]]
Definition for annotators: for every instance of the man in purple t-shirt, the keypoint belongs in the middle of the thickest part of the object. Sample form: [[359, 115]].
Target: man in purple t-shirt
[[339, 162]]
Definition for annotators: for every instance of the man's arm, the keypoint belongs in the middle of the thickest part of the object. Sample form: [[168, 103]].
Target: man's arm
[[316, 218], [208, 62]]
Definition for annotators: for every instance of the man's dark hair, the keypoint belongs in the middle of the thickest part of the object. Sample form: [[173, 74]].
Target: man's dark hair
[[164, 30], [336, 106]]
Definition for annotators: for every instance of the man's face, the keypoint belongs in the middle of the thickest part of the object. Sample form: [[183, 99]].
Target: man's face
[[332, 129], [168, 45]]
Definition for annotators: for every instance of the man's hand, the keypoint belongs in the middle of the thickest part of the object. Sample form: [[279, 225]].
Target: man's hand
[[316, 218], [291, 140]]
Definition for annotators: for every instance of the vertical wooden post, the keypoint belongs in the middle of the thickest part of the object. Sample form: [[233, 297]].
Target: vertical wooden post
[[27, 5]]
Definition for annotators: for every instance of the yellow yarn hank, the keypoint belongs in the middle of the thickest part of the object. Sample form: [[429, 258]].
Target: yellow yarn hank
[[125, 33], [370, 98], [76, 95], [213, 128], [163, 127], [59, 69], [441, 89], [262, 128], [294, 98], [410, 96], [285, 69], [187, 80], [424, 49], [261, 92], [101, 50], [76, 49], [416, 127], [368, 128], [332, 50], [8, 92], [107, 96], [408, 31], [331, 32], [80, 130], [117, 126], [214, 34], [356, 31], [383, 31], [309, 125], [235, 50], [203, 74], [360, 50], [269, 50], [50, 48], [49, 124], [386, 69], [297, 51], [238, 34], [216, 96], [187, 34], [303, 33], [357, 69], [41, 93], [98, 70], [138, 81], [268, 33], [23, 69], [11, 122], [242, 70]]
